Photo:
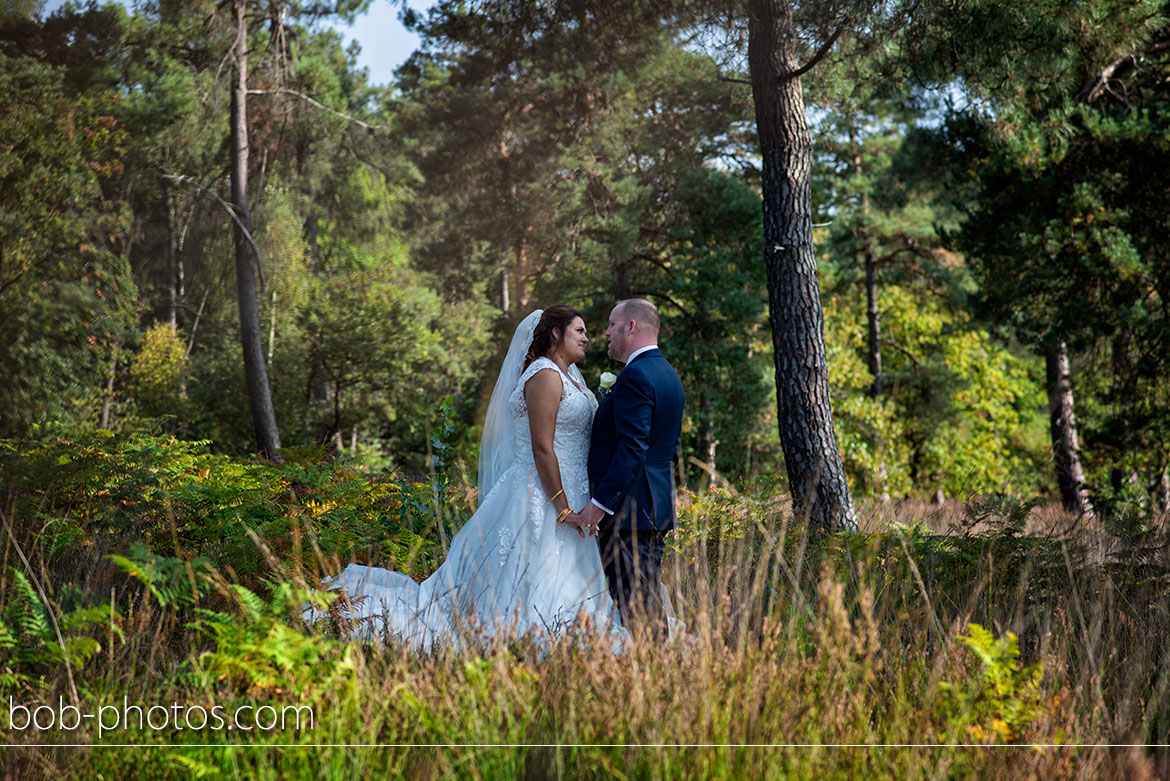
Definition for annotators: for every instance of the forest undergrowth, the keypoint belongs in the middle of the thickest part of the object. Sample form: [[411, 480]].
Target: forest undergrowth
[[996, 637]]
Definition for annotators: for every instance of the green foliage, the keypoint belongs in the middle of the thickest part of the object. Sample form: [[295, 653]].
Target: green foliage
[[68, 299], [715, 330], [963, 413], [590, 156], [1064, 186], [999, 700], [33, 643], [257, 651], [833, 643], [172, 582], [158, 373], [105, 489]]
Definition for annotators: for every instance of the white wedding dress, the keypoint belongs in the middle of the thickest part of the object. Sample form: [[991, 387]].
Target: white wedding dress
[[512, 569]]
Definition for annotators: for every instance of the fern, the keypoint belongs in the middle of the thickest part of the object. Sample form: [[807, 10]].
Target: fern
[[168, 579], [261, 648], [252, 605], [7, 639], [999, 700], [27, 612]]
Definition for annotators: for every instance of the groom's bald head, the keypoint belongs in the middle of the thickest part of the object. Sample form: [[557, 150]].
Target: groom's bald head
[[633, 324], [642, 312]]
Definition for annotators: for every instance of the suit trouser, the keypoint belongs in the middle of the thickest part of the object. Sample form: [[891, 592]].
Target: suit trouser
[[632, 560]]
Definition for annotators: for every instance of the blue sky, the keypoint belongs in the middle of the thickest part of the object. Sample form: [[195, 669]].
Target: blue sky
[[385, 42]]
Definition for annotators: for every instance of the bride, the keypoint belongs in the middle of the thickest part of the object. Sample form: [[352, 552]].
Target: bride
[[516, 566]]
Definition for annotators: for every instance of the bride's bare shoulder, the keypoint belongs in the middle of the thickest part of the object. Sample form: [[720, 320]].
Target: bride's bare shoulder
[[543, 379]]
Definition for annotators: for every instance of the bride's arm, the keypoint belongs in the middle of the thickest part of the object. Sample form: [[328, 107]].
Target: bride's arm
[[542, 393]]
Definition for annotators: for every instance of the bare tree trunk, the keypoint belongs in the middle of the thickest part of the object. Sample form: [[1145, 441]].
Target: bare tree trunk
[[255, 371], [1070, 476], [815, 472], [108, 403], [621, 281], [319, 386], [505, 294], [521, 276], [311, 238], [195, 324], [863, 233], [172, 261], [874, 321], [272, 331], [708, 443], [1161, 493]]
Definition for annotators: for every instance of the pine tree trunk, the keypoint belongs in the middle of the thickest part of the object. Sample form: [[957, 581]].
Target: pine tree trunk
[[172, 262], [311, 239], [255, 371], [1070, 476], [1162, 490], [815, 473], [621, 281], [873, 319], [108, 402]]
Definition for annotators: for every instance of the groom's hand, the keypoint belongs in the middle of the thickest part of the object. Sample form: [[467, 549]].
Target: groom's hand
[[590, 517], [574, 520]]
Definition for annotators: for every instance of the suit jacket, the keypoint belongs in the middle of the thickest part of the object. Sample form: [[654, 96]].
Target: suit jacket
[[634, 443]]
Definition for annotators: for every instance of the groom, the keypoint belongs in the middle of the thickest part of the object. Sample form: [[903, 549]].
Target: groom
[[631, 466]]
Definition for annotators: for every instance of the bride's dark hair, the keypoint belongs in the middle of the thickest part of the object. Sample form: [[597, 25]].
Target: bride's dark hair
[[555, 318]]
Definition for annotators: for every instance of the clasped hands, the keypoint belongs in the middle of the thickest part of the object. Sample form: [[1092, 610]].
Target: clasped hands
[[587, 521]]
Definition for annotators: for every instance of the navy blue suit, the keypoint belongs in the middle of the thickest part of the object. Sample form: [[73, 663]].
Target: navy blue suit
[[631, 471]]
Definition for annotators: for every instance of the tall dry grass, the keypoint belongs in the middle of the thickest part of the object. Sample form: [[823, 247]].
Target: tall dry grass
[[997, 640]]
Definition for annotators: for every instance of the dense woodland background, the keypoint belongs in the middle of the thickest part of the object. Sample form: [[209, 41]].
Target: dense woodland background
[[989, 226], [999, 192]]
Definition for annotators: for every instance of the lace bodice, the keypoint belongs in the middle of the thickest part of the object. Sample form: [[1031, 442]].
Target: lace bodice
[[574, 425]]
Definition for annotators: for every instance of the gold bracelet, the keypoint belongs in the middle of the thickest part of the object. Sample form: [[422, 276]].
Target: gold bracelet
[[563, 514], [553, 498]]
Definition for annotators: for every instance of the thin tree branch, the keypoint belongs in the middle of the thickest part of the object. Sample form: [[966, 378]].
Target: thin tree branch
[[735, 81], [322, 107], [195, 325], [710, 470], [1099, 83], [914, 251], [659, 262], [180, 179], [664, 297], [902, 350], [820, 55]]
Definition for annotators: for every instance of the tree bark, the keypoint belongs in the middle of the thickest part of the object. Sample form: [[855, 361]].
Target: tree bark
[[520, 278], [864, 235], [1070, 476], [172, 261], [873, 318], [505, 295], [255, 370], [815, 472], [621, 281], [108, 402], [311, 239], [1162, 490]]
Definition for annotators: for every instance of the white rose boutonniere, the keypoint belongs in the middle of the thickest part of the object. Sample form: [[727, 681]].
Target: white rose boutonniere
[[607, 380]]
